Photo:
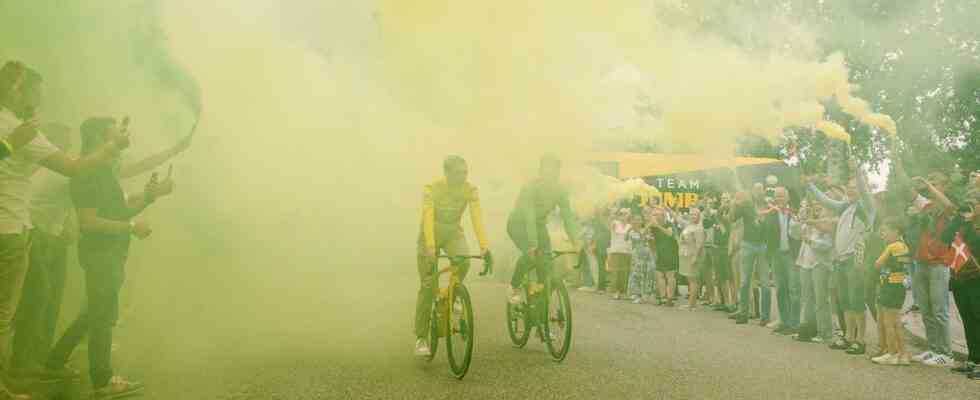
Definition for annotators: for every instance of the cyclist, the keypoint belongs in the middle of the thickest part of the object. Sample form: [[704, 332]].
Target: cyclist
[[443, 204], [527, 223]]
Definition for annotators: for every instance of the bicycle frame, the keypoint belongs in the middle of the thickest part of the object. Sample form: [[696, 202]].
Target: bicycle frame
[[454, 280], [533, 289]]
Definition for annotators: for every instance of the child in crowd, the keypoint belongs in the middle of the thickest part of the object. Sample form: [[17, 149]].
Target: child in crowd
[[892, 265]]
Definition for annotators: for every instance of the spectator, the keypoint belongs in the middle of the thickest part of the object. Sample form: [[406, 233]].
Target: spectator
[[15, 188], [586, 257], [54, 230], [692, 255], [666, 250], [619, 253], [785, 270], [718, 231], [856, 214], [601, 242], [11, 78], [105, 217], [753, 250], [930, 279], [965, 281], [815, 260], [892, 264], [641, 280]]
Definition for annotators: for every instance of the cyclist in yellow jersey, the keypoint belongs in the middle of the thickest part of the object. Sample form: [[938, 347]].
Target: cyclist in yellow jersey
[[443, 204]]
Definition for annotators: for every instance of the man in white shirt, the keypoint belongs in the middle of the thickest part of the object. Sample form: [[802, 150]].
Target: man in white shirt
[[54, 230], [15, 192]]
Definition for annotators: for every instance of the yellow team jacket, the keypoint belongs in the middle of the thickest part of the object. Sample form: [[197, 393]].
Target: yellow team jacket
[[443, 207]]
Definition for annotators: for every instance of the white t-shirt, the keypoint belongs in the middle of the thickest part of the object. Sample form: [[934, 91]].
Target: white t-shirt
[[618, 243], [15, 177], [50, 202]]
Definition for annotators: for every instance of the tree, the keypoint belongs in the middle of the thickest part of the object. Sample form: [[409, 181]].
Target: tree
[[915, 60]]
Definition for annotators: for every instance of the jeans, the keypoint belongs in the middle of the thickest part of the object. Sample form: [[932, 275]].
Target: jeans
[[13, 268], [452, 244], [815, 284], [752, 258], [931, 288], [40, 305], [913, 267], [104, 274], [787, 276]]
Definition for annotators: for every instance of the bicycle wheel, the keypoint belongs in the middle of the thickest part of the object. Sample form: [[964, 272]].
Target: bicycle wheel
[[559, 323], [433, 332], [459, 337], [518, 324]]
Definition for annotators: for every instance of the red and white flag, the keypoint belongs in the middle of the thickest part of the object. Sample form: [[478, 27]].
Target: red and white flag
[[962, 256]]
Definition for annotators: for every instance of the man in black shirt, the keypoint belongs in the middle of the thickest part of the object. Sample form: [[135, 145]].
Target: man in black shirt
[[752, 254], [105, 219]]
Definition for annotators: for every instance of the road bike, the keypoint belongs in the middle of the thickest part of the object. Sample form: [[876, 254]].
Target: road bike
[[545, 307], [452, 315]]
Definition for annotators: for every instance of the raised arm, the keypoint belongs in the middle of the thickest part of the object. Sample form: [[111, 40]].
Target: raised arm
[[938, 195], [476, 216], [156, 160], [821, 197], [74, 167]]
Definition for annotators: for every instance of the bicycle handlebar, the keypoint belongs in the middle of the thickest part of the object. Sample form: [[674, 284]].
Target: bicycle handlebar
[[487, 261]]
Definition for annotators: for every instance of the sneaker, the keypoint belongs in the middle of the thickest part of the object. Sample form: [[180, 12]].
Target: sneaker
[[884, 358], [422, 348], [922, 357], [515, 297], [117, 389], [587, 289], [741, 320], [638, 300], [801, 338], [774, 325], [856, 349], [893, 361], [786, 331], [975, 375], [965, 367], [733, 315], [839, 344], [763, 322], [48, 375], [939, 361]]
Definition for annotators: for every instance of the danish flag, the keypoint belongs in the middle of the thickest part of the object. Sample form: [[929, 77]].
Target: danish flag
[[963, 254]]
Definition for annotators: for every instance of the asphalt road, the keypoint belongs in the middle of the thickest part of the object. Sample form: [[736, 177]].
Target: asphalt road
[[619, 351]]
